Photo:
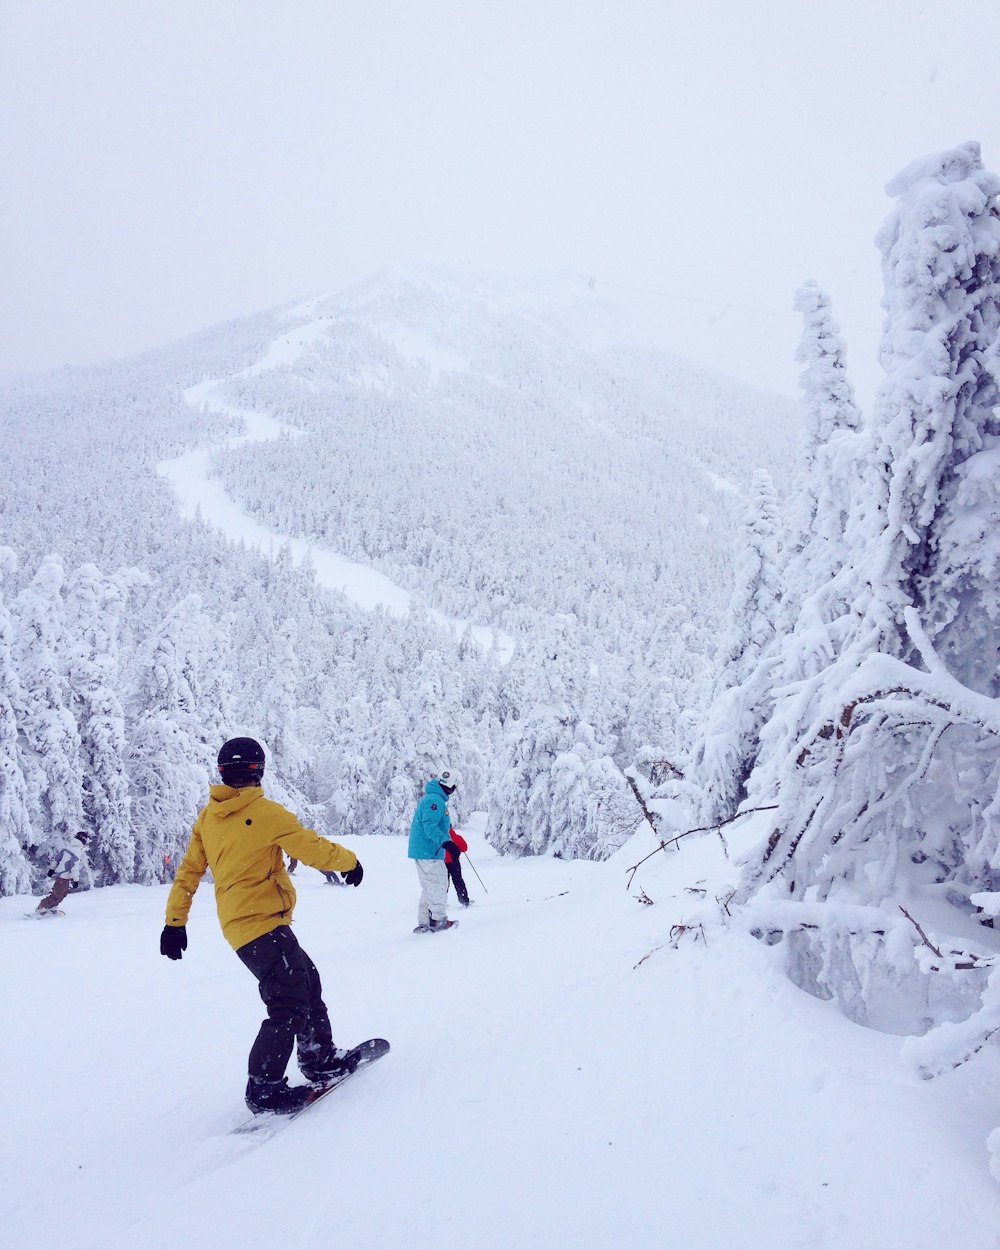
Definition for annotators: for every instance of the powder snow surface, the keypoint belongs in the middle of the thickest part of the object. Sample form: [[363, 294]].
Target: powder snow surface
[[547, 1086]]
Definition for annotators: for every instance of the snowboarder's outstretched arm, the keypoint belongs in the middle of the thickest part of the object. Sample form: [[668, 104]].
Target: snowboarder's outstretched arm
[[307, 846], [173, 939]]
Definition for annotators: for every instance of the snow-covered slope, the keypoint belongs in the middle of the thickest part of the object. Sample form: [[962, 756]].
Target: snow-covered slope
[[562, 1074], [504, 447]]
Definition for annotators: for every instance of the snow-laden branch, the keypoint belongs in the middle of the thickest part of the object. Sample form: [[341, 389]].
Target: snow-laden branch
[[667, 843]]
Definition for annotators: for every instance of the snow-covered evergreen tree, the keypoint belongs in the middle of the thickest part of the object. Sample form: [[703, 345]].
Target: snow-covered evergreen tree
[[592, 810], [553, 779], [435, 715], [520, 806], [50, 732], [351, 793], [279, 708], [757, 589], [828, 524], [743, 697], [827, 395], [216, 710], [815, 546], [352, 806], [886, 758], [95, 605], [15, 819], [169, 764]]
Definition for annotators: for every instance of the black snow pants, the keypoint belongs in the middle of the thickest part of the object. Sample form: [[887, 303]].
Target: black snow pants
[[455, 873], [292, 993]]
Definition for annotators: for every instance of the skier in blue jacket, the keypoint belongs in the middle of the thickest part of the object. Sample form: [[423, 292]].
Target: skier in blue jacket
[[430, 836]]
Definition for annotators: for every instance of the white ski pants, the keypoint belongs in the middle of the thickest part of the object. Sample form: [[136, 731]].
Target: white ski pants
[[433, 877]]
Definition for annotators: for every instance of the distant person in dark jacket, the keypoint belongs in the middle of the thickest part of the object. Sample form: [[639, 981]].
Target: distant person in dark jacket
[[66, 871], [332, 878], [452, 862]]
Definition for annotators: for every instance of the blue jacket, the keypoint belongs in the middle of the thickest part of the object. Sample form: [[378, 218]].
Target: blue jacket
[[431, 823]]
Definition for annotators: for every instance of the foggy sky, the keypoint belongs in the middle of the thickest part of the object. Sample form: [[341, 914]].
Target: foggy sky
[[168, 164]]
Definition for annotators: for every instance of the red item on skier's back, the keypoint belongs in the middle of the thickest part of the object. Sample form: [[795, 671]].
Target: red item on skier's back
[[459, 841]]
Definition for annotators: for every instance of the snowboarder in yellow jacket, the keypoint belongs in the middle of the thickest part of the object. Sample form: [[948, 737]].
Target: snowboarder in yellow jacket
[[244, 837]]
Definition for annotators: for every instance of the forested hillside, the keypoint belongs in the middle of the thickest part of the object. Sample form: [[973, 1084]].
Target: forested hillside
[[513, 454]]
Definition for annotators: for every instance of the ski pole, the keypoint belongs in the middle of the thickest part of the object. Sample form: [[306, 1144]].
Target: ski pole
[[478, 877]]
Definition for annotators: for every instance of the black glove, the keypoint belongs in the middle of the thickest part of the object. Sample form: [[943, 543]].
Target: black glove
[[452, 847], [173, 941], [354, 876], [51, 872]]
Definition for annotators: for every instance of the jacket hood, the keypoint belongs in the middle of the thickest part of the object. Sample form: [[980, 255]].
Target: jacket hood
[[435, 787], [228, 801]]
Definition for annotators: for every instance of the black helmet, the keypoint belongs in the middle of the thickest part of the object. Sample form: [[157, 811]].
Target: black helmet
[[241, 762]]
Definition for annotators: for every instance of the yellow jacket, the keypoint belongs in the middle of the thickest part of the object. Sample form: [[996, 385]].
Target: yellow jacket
[[240, 835]]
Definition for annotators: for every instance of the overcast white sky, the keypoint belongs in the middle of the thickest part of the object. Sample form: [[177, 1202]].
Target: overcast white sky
[[167, 164]]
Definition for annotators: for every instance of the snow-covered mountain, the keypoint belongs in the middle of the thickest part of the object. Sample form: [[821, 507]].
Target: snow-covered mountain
[[508, 451], [516, 456]]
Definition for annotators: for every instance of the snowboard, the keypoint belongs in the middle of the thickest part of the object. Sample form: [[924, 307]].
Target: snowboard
[[41, 915], [267, 1123]]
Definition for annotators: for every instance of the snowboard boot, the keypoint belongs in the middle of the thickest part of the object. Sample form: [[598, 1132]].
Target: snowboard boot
[[331, 1068], [439, 926], [277, 1097]]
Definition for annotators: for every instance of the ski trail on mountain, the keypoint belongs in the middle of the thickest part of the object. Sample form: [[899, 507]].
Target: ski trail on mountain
[[198, 493]]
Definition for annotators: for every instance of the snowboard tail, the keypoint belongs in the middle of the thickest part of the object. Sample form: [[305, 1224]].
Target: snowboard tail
[[358, 1057]]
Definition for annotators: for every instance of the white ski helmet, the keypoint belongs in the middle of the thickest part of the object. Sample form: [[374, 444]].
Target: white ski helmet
[[449, 778]]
